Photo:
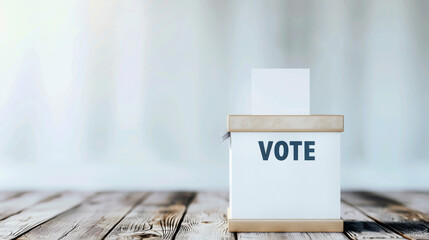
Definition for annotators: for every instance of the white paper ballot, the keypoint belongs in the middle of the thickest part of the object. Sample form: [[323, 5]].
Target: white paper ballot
[[281, 91]]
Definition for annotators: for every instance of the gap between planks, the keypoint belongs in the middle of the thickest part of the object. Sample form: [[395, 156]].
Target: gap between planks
[[92, 219], [39, 213], [158, 216], [206, 217], [16, 203], [194, 216]]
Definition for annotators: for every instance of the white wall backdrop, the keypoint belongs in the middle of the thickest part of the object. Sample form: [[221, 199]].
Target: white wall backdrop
[[134, 94]]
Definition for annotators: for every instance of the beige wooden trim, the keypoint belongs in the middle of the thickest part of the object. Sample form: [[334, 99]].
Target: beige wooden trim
[[285, 225], [285, 123]]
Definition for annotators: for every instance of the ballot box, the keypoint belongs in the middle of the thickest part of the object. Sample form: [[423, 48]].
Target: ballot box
[[284, 163], [285, 173]]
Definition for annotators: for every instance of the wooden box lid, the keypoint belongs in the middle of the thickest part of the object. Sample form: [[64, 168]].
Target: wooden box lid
[[285, 123]]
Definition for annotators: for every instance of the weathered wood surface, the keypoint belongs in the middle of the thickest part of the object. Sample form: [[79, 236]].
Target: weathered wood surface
[[206, 216], [416, 200], [158, 216], [391, 213], [15, 203], [91, 220], [189, 215], [359, 226], [23, 221]]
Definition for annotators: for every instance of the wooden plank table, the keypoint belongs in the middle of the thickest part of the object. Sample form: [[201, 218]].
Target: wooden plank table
[[192, 215]]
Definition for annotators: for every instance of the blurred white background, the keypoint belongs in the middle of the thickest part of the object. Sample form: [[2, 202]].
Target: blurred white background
[[134, 94]]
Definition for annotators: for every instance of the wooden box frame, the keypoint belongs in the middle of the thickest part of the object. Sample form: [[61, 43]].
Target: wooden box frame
[[285, 225]]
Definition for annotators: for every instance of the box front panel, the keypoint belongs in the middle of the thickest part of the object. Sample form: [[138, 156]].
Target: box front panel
[[285, 175]]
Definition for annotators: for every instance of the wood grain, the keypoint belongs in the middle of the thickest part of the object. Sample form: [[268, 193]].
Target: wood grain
[[185, 215], [91, 220], [17, 202], [390, 213], [206, 217], [359, 226], [38, 213], [416, 200], [158, 217]]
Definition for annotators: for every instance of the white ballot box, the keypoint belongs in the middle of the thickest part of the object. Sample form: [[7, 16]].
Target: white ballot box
[[284, 169], [285, 173]]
